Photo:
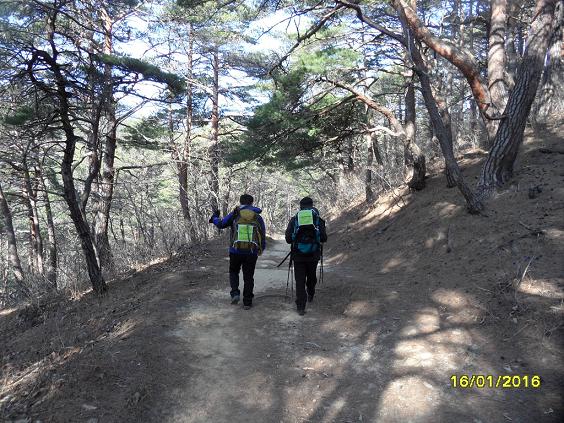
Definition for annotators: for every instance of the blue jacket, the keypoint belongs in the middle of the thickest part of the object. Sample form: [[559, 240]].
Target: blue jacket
[[227, 222]]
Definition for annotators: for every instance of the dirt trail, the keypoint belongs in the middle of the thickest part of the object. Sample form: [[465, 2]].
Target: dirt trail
[[371, 352], [369, 349]]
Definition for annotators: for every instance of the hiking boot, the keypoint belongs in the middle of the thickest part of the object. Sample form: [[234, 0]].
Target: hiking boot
[[247, 307], [235, 299], [309, 298], [301, 311]]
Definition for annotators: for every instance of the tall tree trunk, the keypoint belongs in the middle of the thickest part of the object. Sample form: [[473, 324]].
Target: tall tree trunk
[[183, 160], [214, 137], [52, 262], [13, 257], [497, 60], [414, 158], [473, 108], [96, 278], [36, 241], [106, 186], [498, 167], [369, 189], [442, 106]]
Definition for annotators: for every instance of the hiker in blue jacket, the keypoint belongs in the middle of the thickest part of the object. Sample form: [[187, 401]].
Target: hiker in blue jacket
[[305, 232], [247, 242]]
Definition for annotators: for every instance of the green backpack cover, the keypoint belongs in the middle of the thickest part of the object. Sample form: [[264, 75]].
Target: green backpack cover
[[246, 233]]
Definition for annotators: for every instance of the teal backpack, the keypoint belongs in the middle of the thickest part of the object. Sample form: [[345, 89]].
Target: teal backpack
[[306, 236]]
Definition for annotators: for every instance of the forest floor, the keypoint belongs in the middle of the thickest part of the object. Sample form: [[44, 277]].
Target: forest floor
[[416, 290]]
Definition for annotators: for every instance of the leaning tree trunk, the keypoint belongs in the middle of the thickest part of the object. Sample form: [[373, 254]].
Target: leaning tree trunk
[[414, 158], [13, 257], [498, 167], [69, 190], [444, 134]]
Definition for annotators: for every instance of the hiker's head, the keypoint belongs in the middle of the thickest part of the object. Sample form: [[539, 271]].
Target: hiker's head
[[246, 200], [306, 203]]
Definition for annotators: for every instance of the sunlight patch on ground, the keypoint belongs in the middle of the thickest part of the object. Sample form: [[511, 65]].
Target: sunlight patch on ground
[[455, 336], [427, 321], [124, 329], [542, 288], [446, 209], [343, 328], [450, 298], [337, 258], [555, 234], [7, 311], [334, 409], [318, 363], [408, 399], [421, 354], [397, 262], [440, 237], [11, 379], [361, 309]]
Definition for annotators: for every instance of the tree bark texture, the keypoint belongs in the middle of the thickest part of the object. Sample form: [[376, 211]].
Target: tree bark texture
[[414, 158], [69, 190], [443, 133], [35, 239], [52, 259], [369, 190], [13, 256], [551, 90], [106, 186], [214, 136], [497, 61], [183, 156], [498, 167]]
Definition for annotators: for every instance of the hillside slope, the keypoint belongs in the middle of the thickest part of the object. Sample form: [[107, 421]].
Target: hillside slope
[[415, 291]]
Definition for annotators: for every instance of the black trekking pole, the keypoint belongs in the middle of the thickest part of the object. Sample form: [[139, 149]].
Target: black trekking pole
[[285, 258], [288, 279], [321, 268]]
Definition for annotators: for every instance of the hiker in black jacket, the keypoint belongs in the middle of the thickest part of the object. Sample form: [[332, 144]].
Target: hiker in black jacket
[[305, 232]]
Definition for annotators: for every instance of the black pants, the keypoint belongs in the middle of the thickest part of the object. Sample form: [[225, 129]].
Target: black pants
[[248, 262], [304, 272]]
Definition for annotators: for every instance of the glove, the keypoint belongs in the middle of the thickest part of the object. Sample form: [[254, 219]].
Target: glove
[[215, 214]]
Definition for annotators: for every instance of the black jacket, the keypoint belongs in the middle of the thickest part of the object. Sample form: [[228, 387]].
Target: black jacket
[[297, 255]]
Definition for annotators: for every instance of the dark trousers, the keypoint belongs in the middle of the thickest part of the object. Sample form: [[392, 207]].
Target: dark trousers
[[304, 272], [248, 263]]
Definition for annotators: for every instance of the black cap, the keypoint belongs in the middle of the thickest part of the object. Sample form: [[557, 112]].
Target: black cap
[[246, 199], [306, 202]]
